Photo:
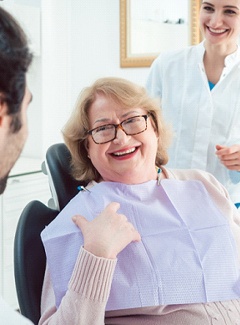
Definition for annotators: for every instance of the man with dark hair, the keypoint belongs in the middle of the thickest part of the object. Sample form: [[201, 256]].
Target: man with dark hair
[[15, 59]]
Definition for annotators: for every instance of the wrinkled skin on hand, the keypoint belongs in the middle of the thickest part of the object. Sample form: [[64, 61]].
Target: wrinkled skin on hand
[[108, 234]]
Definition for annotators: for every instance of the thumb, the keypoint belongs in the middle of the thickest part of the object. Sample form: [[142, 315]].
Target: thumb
[[79, 221]]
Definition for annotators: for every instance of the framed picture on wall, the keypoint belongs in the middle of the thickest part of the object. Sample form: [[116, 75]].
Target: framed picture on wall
[[148, 27]]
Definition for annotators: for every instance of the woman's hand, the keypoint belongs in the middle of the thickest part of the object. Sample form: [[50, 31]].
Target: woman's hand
[[108, 234], [229, 156]]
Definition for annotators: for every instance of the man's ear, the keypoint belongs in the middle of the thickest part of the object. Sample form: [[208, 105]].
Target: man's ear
[[3, 111]]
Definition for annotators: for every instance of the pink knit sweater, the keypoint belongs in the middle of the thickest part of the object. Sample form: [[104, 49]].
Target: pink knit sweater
[[89, 286]]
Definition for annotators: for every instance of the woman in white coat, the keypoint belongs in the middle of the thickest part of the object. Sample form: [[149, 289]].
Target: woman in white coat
[[199, 88]]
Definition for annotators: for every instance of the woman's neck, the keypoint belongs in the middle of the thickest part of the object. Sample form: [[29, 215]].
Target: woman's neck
[[132, 178], [219, 50], [214, 60]]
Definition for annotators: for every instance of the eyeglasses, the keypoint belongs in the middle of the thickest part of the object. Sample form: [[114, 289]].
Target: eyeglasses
[[108, 132]]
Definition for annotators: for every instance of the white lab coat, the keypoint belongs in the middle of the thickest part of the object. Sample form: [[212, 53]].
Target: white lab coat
[[200, 118], [8, 316]]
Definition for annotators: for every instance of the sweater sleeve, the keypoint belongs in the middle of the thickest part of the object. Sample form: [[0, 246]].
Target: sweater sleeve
[[88, 290]]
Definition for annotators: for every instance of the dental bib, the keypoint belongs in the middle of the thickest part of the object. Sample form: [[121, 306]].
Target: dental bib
[[187, 253]]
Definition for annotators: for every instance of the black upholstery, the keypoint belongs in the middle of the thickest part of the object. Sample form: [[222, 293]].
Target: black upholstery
[[62, 184], [29, 254], [29, 257]]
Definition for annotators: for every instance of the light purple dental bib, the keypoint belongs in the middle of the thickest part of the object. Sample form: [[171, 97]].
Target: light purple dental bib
[[187, 253]]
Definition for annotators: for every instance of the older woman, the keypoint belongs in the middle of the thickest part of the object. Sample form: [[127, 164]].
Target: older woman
[[155, 246], [199, 90]]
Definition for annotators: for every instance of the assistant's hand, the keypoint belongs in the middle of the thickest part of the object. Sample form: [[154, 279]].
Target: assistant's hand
[[108, 234], [229, 156]]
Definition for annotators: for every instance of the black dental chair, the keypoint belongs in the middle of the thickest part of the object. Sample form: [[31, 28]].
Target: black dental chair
[[57, 166], [29, 254]]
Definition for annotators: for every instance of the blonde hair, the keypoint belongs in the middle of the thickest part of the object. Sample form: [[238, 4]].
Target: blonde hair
[[128, 95]]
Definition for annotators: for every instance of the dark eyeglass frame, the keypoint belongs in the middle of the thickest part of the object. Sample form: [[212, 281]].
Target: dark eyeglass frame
[[117, 126]]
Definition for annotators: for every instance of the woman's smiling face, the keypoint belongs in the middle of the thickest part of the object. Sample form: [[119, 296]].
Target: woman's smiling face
[[220, 21], [128, 158]]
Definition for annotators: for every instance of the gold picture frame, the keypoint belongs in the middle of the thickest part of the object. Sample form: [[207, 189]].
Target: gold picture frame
[[146, 59]]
